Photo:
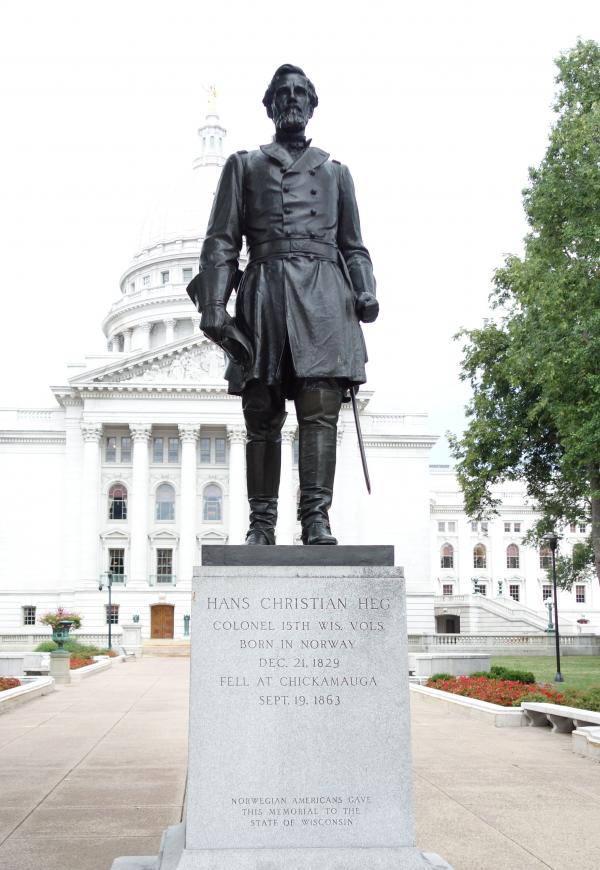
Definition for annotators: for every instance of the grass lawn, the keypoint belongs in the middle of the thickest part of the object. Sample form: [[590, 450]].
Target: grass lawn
[[579, 672]]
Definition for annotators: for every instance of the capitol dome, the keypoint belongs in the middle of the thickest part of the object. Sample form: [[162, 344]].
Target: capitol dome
[[154, 308]]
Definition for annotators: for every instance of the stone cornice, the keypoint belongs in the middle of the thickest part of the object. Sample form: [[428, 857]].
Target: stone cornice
[[119, 309], [399, 441], [23, 436]]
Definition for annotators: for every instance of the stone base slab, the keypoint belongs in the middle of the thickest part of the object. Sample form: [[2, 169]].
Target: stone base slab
[[173, 856]]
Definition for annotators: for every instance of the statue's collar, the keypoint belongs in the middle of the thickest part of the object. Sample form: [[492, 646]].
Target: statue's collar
[[308, 159]]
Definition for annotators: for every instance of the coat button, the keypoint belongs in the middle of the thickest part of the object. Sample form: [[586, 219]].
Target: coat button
[[287, 210], [313, 211], [286, 189], [314, 192], [311, 235], [288, 232], [312, 172], [282, 169]]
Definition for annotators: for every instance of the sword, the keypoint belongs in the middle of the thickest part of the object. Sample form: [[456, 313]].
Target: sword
[[361, 446]]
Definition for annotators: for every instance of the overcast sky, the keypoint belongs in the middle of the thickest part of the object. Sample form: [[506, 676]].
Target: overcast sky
[[437, 107]]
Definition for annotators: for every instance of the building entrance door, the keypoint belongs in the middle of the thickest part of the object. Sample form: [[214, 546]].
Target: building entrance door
[[162, 621]]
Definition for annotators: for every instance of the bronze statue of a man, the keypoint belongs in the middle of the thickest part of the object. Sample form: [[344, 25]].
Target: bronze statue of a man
[[308, 283]]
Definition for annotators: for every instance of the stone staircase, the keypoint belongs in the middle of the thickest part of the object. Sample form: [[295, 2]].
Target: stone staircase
[[482, 615], [177, 647]]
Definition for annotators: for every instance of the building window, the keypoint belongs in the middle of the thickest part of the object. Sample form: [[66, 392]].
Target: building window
[[158, 449], [125, 448], [452, 527], [212, 504], [447, 589], [573, 528], [447, 556], [479, 556], [112, 614], [29, 616], [580, 594], [116, 565], [484, 528], [546, 592], [507, 527], [164, 566], [473, 526], [512, 556], [480, 588], [545, 557], [187, 275], [517, 527], [173, 449], [582, 528], [220, 451], [146, 280], [110, 450], [205, 450], [165, 503], [164, 277], [441, 526], [513, 591], [117, 502]]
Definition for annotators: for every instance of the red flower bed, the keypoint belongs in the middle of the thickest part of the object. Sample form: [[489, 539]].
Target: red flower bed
[[80, 663], [503, 692], [9, 683]]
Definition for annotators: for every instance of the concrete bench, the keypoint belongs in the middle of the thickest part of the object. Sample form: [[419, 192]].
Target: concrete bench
[[586, 741], [563, 719]]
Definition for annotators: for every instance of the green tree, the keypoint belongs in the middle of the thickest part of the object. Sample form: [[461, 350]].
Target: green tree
[[534, 367]]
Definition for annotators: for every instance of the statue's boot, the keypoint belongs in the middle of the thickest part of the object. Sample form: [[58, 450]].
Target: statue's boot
[[317, 411], [263, 469]]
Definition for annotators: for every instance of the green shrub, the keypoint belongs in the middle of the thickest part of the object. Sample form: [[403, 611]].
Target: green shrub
[[481, 674], [498, 672], [46, 646], [435, 677], [585, 699], [532, 696]]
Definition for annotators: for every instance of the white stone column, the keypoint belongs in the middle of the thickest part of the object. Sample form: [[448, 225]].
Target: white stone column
[[287, 501], [110, 344], [170, 330], [238, 501], [145, 329], [90, 490], [188, 435], [127, 340], [138, 501]]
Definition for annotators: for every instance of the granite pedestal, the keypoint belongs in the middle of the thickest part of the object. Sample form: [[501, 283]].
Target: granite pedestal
[[299, 755]]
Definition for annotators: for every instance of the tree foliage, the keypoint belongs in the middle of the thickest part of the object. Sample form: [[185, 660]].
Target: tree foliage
[[534, 368]]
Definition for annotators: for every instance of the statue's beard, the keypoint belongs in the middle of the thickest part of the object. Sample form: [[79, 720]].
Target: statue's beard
[[291, 120]]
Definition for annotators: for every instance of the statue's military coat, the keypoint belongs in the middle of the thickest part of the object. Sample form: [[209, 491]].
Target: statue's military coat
[[307, 262]]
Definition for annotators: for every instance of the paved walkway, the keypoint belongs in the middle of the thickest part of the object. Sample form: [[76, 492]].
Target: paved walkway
[[96, 770]]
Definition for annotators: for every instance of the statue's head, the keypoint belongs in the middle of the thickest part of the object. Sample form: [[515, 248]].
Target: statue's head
[[290, 98]]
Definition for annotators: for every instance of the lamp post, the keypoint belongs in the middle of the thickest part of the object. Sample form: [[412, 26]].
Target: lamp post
[[108, 581], [552, 541]]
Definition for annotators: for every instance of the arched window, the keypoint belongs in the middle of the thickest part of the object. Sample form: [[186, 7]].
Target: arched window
[[545, 557], [117, 502], [212, 504], [447, 554], [165, 502], [512, 556], [479, 556]]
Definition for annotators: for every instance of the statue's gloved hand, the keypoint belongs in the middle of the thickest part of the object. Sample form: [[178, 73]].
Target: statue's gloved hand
[[214, 319], [367, 307]]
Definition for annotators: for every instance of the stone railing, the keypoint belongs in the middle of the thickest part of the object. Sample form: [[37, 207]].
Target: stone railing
[[510, 644]]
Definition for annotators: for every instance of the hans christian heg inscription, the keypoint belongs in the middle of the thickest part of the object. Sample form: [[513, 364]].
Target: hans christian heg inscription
[[301, 736]]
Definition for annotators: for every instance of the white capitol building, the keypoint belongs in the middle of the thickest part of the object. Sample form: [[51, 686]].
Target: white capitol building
[[141, 461]]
